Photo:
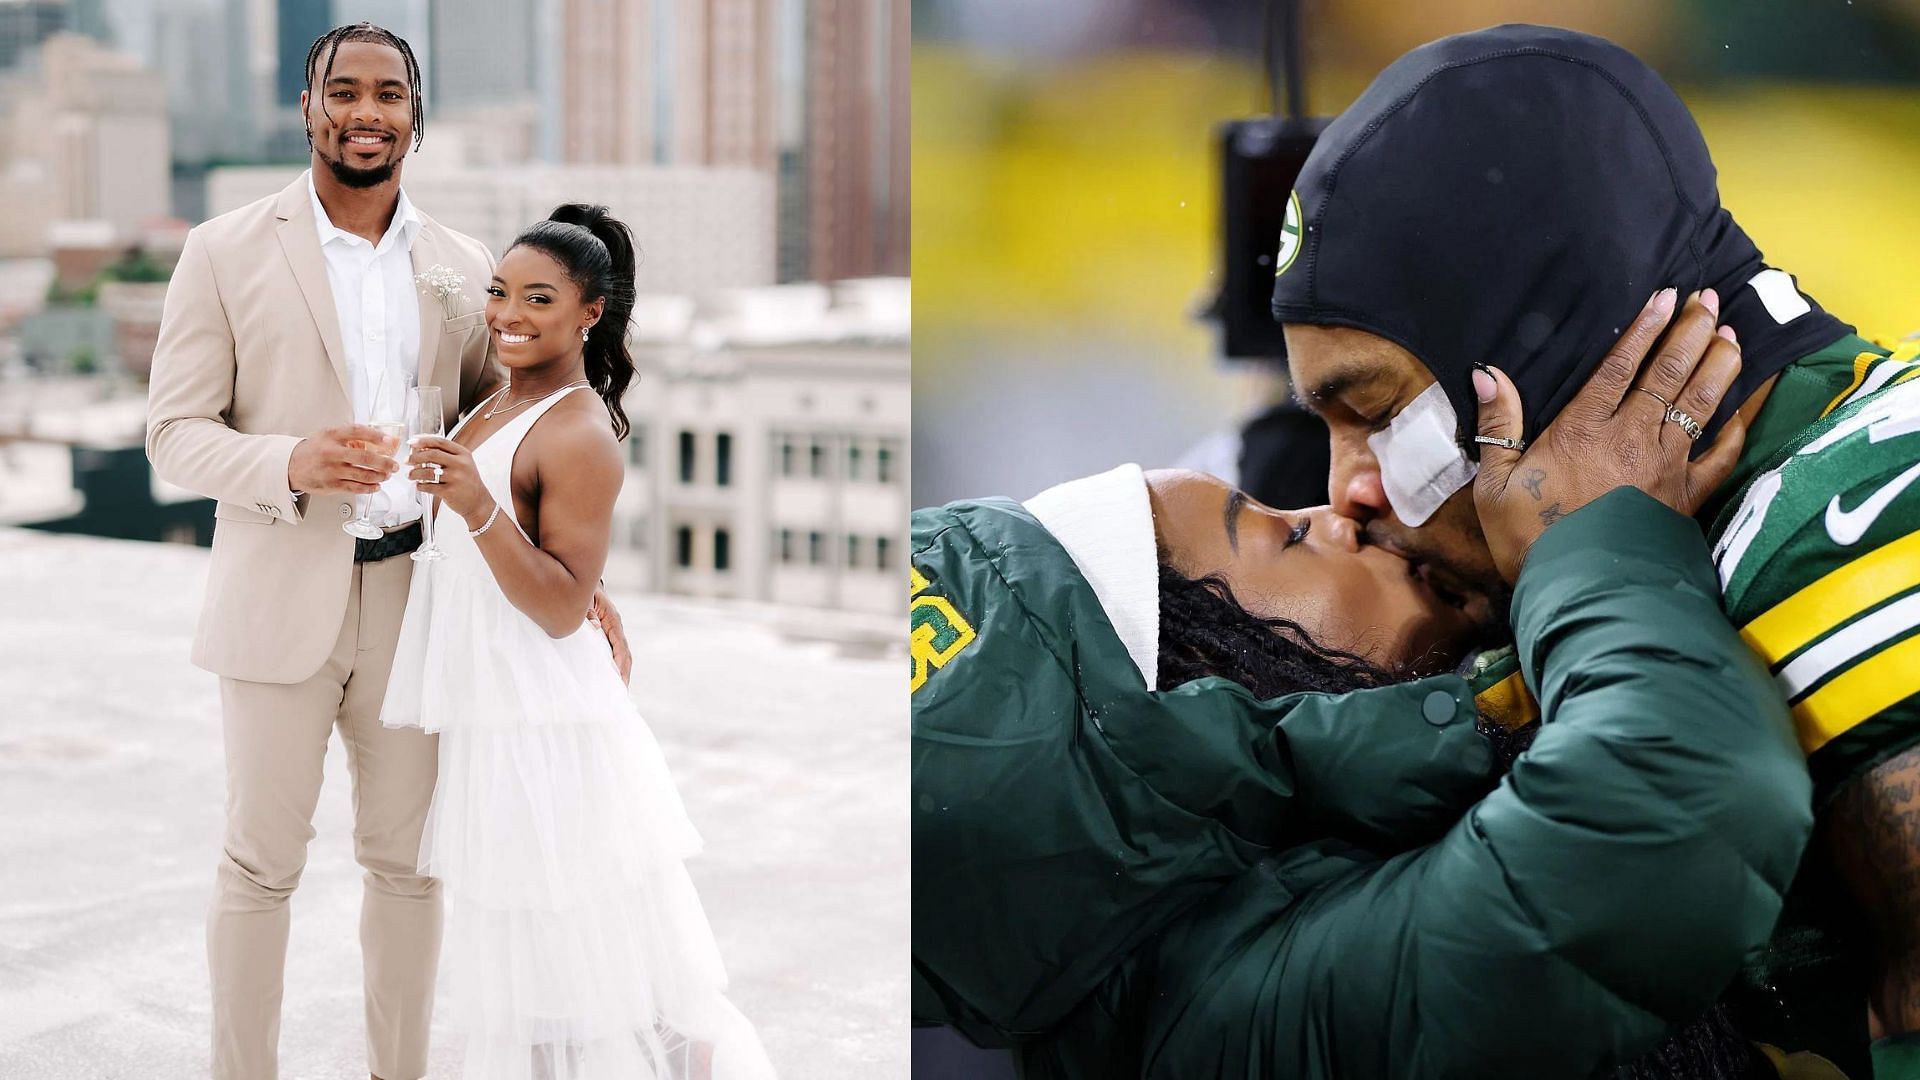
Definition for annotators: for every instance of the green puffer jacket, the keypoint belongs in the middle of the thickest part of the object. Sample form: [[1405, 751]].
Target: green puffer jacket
[[1191, 883]]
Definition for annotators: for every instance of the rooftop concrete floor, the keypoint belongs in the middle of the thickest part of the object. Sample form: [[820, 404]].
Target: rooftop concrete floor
[[787, 734]]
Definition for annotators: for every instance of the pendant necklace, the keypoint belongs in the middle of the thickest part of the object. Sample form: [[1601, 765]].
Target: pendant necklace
[[504, 408]]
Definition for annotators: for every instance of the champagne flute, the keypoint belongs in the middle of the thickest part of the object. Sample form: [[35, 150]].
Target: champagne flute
[[385, 414], [425, 416]]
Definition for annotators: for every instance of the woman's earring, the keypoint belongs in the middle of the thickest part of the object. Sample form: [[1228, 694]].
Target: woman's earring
[[584, 331]]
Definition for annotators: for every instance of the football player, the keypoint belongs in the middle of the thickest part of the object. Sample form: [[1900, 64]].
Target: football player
[[1495, 207]]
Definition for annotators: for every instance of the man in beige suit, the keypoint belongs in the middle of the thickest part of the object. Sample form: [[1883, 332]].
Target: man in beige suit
[[283, 319]]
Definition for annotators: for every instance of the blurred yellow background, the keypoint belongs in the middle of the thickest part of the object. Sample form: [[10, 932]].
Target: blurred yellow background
[[1065, 197]]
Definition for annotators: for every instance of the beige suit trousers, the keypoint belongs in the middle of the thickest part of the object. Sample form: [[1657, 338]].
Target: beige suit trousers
[[276, 743]]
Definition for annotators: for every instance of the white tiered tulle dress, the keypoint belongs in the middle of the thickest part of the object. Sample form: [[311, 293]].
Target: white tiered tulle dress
[[577, 948]]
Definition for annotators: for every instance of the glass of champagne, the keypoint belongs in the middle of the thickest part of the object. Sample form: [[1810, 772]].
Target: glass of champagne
[[425, 416], [387, 415]]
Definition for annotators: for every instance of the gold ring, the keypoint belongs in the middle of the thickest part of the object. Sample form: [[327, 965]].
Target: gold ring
[[1664, 403]]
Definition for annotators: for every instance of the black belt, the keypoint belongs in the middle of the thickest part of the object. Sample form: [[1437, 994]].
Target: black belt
[[398, 542]]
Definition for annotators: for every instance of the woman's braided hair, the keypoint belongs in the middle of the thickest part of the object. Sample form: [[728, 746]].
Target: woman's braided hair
[[1205, 631]]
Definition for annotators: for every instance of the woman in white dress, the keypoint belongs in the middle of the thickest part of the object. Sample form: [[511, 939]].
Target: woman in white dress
[[579, 950]]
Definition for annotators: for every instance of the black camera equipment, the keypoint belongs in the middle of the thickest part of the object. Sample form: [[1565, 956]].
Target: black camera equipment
[[1283, 449], [1259, 160]]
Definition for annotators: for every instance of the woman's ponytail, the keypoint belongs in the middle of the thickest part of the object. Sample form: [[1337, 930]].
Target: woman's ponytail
[[597, 251]]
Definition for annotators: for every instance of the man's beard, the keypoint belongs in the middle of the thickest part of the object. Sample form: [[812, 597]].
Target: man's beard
[[1491, 597], [360, 178]]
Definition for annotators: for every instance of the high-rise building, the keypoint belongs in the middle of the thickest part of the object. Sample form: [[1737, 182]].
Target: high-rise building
[[190, 47], [856, 150], [252, 61], [790, 138], [297, 24], [86, 141], [485, 53], [896, 150], [737, 122], [603, 105], [410, 19], [667, 82], [89, 17], [24, 24]]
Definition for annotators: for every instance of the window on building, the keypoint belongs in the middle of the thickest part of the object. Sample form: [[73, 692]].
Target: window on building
[[683, 547], [853, 459], [883, 462], [786, 455], [722, 555], [786, 545], [816, 548], [880, 546], [817, 460], [686, 457], [853, 550], [637, 447], [723, 459]]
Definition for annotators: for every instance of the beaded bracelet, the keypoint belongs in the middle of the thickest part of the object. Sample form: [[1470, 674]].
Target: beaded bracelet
[[489, 524]]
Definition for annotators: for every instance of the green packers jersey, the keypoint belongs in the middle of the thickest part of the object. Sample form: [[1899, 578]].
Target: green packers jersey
[[1819, 559], [1818, 548]]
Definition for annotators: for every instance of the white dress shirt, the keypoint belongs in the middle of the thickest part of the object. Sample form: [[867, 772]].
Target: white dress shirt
[[379, 308]]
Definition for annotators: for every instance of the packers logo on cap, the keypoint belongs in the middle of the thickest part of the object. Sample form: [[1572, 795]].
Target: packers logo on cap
[[1289, 236]]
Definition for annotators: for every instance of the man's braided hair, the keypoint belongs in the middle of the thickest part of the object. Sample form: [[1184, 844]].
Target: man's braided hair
[[1205, 631], [329, 43]]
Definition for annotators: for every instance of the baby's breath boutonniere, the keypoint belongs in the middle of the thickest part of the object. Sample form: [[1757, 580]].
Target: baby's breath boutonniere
[[445, 283]]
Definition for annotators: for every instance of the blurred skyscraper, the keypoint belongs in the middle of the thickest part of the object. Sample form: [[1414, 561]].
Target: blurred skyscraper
[[89, 17], [192, 49], [845, 204], [250, 69], [484, 53], [24, 24], [667, 82], [82, 139], [296, 24]]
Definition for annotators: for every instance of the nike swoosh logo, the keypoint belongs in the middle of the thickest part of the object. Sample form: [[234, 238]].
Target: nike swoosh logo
[[1846, 527]]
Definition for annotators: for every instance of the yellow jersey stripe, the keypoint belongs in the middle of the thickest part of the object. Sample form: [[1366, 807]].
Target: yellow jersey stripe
[[1507, 703], [1860, 365], [1861, 693], [1839, 595]]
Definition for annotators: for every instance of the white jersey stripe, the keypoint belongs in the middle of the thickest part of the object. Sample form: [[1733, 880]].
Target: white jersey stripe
[[1846, 645], [1877, 378]]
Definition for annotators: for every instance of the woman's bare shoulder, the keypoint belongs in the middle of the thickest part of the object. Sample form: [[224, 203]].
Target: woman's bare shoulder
[[578, 431]]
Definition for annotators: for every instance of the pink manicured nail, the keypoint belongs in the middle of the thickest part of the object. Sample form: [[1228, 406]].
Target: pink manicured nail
[[1662, 302], [1727, 332], [1484, 387], [1711, 301]]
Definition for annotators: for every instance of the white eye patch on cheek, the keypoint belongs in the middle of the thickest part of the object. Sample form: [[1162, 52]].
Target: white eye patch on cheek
[[1421, 463]]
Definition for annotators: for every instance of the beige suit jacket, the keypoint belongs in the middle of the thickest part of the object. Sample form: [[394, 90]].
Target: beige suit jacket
[[248, 363]]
